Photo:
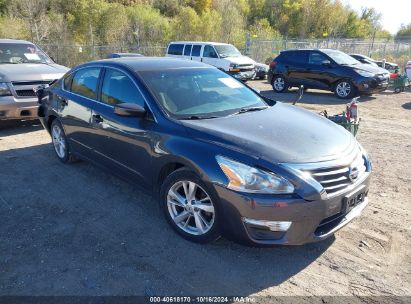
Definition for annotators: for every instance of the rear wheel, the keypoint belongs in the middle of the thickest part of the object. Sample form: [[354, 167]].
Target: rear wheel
[[60, 142], [344, 89], [190, 207], [279, 84]]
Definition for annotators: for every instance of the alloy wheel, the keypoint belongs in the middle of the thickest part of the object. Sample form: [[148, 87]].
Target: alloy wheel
[[279, 83], [343, 89], [190, 207], [59, 141]]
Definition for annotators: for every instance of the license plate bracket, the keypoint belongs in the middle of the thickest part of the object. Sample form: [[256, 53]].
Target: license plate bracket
[[354, 198]]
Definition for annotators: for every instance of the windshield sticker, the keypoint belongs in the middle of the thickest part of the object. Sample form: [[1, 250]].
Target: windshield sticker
[[32, 56], [230, 82]]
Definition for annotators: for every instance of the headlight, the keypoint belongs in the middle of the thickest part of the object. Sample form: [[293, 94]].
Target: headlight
[[4, 89], [244, 178], [364, 73], [233, 65]]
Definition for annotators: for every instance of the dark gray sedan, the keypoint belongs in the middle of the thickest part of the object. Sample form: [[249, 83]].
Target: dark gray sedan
[[222, 159]]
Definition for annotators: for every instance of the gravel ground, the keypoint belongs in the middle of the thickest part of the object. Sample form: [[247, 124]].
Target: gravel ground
[[77, 230]]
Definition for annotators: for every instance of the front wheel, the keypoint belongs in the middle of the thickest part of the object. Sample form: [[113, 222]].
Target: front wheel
[[279, 84], [344, 89], [190, 207]]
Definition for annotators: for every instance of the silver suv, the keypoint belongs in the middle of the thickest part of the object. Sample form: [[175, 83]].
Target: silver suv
[[23, 66]]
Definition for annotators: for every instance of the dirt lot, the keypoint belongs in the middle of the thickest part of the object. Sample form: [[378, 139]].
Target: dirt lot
[[76, 230]]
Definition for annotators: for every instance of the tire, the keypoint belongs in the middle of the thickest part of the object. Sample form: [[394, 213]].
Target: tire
[[279, 84], [344, 89], [60, 143], [200, 225]]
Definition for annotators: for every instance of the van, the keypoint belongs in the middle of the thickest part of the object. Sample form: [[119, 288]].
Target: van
[[225, 57]]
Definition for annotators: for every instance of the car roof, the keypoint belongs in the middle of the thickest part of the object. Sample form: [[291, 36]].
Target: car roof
[[198, 42], [138, 64], [127, 54], [14, 41], [310, 49]]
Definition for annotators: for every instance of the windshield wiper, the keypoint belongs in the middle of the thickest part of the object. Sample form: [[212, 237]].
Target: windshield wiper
[[250, 109], [196, 117]]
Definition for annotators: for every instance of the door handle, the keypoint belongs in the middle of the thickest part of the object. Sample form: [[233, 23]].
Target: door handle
[[97, 119], [63, 101]]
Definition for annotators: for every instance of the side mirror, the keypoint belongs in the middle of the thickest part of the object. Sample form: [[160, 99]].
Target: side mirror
[[129, 109]]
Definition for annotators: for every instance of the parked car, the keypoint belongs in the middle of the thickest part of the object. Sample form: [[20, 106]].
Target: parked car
[[261, 70], [119, 55], [221, 158], [223, 56], [326, 69], [364, 59], [23, 66], [389, 66]]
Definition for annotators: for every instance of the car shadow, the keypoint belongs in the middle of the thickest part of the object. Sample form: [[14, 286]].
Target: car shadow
[[14, 127], [315, 97], [78, 230], [407, 105]]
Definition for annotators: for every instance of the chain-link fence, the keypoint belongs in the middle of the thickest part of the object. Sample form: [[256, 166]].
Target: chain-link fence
[[263, 50], [259, 50], [72, 55]]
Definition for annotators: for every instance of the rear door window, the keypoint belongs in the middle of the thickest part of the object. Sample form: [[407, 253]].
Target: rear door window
[[85, 82], [298, 57], [67, 81], [196, 51], [187, 49], [175, 49]]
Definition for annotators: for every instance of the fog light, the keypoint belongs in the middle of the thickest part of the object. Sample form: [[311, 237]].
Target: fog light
[[272, 225]]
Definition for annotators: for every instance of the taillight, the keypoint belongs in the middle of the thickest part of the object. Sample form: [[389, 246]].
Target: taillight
[[273, 64]]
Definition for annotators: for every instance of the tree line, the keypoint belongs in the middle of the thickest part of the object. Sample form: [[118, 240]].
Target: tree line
[[155, 22]]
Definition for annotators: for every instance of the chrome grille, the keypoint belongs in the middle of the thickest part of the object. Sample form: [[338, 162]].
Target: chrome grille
[[246, 67], [24, 89], [25, 93], [337, 178]]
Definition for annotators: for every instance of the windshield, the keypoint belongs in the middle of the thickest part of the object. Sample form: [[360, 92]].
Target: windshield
[[366, 57], [340, 57], [22, 53], [200, 93], [227, 50]]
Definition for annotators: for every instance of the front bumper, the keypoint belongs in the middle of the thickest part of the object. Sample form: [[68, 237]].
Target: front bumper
[[371, 85], [312, 221], [13, 108], [261, 74], [243, 75]]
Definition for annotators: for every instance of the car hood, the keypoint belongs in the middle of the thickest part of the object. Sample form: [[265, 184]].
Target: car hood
[[240, 60], [370, 68], [31, 71], [280, 134]]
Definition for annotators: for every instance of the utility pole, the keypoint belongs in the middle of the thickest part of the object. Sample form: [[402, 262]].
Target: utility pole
[[372, 42]]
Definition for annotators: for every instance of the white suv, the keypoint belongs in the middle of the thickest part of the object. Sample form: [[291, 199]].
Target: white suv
[[225, 57]]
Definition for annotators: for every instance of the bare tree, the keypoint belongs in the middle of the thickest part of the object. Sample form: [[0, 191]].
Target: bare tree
[[34, 13]]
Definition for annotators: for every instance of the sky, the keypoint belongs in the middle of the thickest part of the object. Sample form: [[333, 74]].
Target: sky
[[394, 12]]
